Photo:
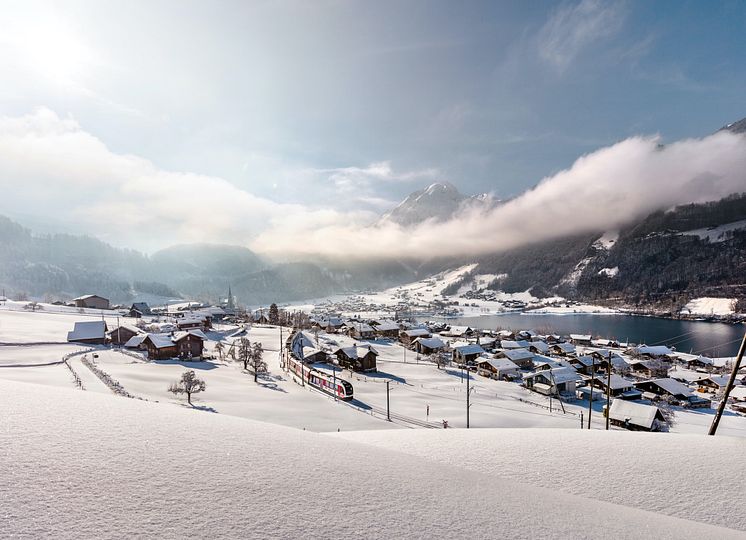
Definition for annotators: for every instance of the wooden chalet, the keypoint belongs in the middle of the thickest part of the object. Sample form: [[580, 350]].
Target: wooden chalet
[[407, 337], [498, 368], [122, 334], [552, 382], [636, 416], [467, 353], [361, 330], [138, 309], [357, 358], [428, 345], [92, 301], [89, 332], [523, 358], [386, 329]]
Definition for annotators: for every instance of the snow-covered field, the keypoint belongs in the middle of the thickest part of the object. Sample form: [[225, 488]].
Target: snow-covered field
[[244, 460], [85, 465], [672, 475], [710, 306]]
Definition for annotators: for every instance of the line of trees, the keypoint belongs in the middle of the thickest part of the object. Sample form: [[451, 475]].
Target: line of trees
[[252, 357]]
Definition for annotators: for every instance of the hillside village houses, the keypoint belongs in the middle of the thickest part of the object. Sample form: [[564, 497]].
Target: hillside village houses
[[572, 367]]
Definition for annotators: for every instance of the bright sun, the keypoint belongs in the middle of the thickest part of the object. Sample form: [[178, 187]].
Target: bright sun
[[52, 51]]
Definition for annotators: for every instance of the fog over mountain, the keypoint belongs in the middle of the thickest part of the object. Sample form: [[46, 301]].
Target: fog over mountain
[[440, 201]]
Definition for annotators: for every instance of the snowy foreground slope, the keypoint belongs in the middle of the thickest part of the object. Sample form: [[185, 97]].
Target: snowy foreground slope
[[82, 464], [690, 476]]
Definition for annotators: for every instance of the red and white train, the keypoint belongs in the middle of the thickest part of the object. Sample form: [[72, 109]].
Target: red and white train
[[321, 380]]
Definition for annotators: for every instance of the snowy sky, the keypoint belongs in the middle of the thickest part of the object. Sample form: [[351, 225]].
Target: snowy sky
[[160, 122]]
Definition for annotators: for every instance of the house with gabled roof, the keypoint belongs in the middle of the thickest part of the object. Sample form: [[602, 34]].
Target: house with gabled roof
[[428, 345], [358, 357], [552, 382], [497, 368], [90, 332], [466, 353], [636, 416]]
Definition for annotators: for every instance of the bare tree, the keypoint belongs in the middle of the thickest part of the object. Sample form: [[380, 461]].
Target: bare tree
[[442, 360], [220, 349], [257, 363], [188, 384], [244, 352]]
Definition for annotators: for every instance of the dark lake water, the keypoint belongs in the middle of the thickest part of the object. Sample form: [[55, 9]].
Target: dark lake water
[[710, 339]]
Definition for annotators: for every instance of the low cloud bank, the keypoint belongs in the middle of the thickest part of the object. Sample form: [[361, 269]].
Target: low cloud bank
[[50, 167], [601, 191]]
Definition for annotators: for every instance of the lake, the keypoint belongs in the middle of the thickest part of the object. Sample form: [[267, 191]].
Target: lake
[[707, 338]]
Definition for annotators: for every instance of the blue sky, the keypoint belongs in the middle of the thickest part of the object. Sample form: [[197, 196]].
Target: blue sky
[[352, 105]]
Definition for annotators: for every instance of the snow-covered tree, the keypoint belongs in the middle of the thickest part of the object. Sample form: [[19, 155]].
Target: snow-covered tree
[[257, 363], [244, 352], [188, 384]]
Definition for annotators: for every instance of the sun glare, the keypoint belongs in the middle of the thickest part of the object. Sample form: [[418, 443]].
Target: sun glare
[[53, 51]]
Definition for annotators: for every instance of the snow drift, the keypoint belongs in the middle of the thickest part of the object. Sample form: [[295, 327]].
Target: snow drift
[[83, 465]]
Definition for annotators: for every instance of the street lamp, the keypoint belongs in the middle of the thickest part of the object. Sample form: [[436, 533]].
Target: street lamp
[[336, 363]]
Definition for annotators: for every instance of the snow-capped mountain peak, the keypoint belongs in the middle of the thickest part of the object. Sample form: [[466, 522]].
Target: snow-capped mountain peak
[[439, 201]]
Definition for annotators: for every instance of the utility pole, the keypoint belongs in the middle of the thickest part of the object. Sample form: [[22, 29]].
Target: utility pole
[[282, 363], [608, 391], [119, 333], [388, 402], [468, 393], [590, 396], [721, 407]]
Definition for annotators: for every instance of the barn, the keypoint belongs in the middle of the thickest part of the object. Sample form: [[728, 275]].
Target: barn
[[92, 301], [91, 332], [122, 334]]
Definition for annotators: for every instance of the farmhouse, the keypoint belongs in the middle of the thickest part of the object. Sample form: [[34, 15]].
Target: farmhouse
[[648, 351], [407, 337], [511, 344], [665, 387], [563, 349], [182, 344], [539, 347], [331, 324], [699, 362], [92, 301], [713, 383], [159, 346], [91, 332], [521, 357], [313, 355], [193, 322], [386, 329], [580, 339], [459, 331], [617, 386], [636, 416], [551, 382], [361, 330], [497, 368], [122, 334], [648, 368], [467, 354], [357, 358], [135, 342], [428, 345], [139, 309]]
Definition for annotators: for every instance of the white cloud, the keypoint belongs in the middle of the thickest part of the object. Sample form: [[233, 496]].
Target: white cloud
[[356, 178], [601, 191], [574, 27], [51, 166]]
